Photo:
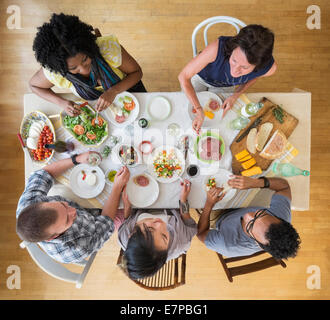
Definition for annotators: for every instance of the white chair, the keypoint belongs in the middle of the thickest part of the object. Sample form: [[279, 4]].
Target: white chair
[[209, 23], [55, 269]]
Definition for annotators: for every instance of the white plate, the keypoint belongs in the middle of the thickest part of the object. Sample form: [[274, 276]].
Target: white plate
[[150, 162], [42, 120], [142, 197], [80, 187], [221, 177], [133, 115], [159, 108], [204, 97]]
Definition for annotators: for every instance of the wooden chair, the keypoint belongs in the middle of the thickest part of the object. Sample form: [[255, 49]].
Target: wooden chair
[[170, 276], [248, 268]]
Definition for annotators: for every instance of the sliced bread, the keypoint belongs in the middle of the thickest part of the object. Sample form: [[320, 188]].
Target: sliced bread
[[263, 134], [251, 140]]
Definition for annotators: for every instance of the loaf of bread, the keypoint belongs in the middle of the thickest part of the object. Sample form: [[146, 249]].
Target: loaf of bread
[[251, 140]]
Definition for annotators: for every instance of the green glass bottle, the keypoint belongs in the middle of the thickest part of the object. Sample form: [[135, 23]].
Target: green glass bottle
[[288, 170]]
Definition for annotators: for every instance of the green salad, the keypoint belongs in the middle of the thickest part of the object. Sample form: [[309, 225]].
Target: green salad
[[83, 127]]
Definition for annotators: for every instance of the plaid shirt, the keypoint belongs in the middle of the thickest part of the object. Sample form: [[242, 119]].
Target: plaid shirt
[[88, 233]]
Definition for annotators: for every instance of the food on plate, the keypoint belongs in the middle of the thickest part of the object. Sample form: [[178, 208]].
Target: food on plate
[[45, 137], [83, 127], [111, 175], [91, 178], [213, 105], [83, 175], [251, 172], [166, 164], [141, 180], [263, 134], [241, 155], [100, 123], [209, 114], [210, 184], [275, 147], [128, 155], [122, 108], [251, 140], [248, 164], [35, 129], [210, 149], [32, 143]]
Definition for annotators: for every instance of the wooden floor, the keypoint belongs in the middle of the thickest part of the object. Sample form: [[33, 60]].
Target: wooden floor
[[157, 33]]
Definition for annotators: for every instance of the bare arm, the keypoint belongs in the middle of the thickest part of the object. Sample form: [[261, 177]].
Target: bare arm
[[213, 196], [279, 185], [198, 63], [41, 86], [57, 168], [133, 75]]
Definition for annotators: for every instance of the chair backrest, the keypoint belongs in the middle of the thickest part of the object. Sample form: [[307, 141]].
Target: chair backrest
[[55, 269], [170, 276], [209, 23], [248, 268]]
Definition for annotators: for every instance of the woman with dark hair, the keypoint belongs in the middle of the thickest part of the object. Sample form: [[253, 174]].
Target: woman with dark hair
[[229, 64], [73, 57], [149, 239]]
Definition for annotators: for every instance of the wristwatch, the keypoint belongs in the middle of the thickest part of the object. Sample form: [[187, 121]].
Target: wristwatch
[[266, 182], [74, 161]]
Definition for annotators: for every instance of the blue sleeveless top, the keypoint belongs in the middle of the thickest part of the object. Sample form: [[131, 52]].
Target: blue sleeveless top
[[217, 73]]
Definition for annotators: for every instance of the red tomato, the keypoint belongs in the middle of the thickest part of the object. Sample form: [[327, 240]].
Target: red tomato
[[78, 129], [100, 122], [129, 106], [91, 136]]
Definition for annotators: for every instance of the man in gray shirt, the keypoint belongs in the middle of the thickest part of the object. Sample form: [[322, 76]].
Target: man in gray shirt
[[149, 239], [244, 231]]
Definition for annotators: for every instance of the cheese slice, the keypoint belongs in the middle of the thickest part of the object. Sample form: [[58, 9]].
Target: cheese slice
[[251, 172], [241, 155], [245, 158], [209, 114], [248, 164]]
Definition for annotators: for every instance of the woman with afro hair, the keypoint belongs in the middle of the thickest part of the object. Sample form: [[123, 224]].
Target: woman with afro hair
[[73, 57]]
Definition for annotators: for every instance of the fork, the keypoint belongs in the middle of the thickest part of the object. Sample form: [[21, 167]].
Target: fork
[[97, 118]]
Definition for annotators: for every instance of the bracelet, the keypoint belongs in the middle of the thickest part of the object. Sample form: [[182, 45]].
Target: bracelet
[[184, 206], [74, 161], [266, 182]]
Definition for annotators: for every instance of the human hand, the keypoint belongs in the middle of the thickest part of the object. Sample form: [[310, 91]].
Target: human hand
[[214, 195], [84, 157], [71, 108], [228, 104], [185, 190], [121, 178], [105, 99], [198, 121], [242, 182]]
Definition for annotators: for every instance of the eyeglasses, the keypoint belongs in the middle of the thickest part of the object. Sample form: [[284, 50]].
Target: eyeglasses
[[250, 224]]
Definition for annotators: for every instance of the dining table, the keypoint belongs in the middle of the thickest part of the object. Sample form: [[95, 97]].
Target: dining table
[[297, 103]]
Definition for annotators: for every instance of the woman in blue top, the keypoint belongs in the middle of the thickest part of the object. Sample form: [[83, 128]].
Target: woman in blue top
[[227, 62]]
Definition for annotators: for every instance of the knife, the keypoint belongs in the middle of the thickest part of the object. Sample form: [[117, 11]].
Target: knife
[[186, 147], [26, 151], [253, 125]]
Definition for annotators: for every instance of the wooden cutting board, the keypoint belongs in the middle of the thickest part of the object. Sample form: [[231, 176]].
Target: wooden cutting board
[[287, 127]]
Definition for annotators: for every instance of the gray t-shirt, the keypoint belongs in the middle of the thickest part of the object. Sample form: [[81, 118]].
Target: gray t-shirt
[[181, 232], [229, 238]]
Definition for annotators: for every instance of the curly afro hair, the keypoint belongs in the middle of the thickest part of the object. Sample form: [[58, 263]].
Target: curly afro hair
[[283, 240], [63, 37]]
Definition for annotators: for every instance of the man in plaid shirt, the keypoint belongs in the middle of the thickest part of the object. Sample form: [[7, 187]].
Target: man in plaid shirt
[[63, 229]]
